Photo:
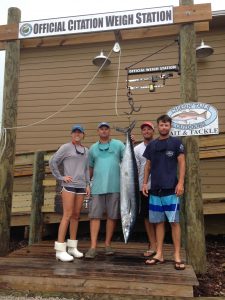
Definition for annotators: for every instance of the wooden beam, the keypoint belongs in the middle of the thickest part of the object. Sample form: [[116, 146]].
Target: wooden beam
[[118, 36], [213, 197], [212, 153], [49, 154], [24, 159], [68, 40], [24, 171], [9, 120], [21, 219], [2, 46], [201, 26], [214, 209], [49, 182], [205, 141], [9, 32], [28, 157], [36, 220], [192, 13], [150, 32], [212, 141], [193, 204]]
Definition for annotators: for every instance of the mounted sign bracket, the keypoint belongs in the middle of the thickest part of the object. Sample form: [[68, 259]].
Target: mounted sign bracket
[[166, 73]]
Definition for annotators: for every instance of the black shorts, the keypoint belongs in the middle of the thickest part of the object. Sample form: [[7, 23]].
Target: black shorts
[[144, 213], [74, 190]]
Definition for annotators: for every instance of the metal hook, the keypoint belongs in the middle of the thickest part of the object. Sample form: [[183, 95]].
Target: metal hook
[[131, 103]]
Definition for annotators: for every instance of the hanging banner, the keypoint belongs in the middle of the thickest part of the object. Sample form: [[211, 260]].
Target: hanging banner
[[194, 118], [97, 22]]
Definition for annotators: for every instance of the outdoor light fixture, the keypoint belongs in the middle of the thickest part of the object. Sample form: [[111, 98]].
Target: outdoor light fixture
[[101, 59], [203, 50]]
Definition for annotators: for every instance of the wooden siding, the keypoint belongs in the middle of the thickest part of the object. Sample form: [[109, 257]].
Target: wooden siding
[[51, 77], [213, 175]]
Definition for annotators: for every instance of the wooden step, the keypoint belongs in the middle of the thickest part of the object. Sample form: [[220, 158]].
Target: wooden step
[[34, 268]]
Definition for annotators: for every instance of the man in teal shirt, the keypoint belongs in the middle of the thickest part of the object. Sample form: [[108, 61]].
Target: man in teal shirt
[[105, 157]]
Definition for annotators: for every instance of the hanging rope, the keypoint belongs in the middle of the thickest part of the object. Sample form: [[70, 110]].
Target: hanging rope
[[68, 104], [4, 130], [117, 85]]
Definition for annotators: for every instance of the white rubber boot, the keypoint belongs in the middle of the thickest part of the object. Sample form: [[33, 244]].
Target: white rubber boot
[[72, 248], [61, 253]]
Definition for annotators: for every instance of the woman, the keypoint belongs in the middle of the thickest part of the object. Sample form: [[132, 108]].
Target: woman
[[75, 185]]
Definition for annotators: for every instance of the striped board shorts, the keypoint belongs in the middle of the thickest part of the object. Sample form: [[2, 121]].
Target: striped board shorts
[[162, 208]]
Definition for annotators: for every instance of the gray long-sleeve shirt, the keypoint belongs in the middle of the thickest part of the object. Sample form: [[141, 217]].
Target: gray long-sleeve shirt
[[74, 165]]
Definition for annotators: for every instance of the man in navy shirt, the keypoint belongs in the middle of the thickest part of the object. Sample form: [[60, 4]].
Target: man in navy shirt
[[164, 156]]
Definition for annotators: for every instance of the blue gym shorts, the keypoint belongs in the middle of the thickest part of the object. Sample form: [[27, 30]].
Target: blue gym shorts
[[162, 208]]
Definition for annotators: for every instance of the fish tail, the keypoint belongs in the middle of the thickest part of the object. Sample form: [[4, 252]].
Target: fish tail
[[205, 114], [126, 129]]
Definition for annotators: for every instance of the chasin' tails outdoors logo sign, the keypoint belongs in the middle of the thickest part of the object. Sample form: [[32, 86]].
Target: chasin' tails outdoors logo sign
[[194, 118]]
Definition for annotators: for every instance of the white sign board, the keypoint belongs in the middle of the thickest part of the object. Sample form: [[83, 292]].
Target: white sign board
[[194, 118], [97, 22]]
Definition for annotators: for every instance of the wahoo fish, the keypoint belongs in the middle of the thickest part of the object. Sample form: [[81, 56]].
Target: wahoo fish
[[129, 186]]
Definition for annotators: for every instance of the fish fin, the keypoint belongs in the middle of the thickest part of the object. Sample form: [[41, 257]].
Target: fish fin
[[126, 129]]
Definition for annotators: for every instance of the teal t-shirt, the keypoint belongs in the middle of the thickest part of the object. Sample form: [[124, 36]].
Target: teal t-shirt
[[105, 160]]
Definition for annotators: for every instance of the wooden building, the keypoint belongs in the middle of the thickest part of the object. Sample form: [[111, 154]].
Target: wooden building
[[54, 71], [50, 77], [59, 86]]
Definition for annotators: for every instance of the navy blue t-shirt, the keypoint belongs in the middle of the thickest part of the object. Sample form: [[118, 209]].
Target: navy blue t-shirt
[[163, 156]]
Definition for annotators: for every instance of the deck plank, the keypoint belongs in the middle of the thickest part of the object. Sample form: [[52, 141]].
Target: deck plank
[[35, 268]]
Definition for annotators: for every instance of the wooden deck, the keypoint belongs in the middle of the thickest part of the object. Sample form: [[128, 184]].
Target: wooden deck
[[34, 268]]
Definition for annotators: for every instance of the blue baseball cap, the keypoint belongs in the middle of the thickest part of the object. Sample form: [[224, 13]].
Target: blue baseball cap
[[77, 127], [103, 124]]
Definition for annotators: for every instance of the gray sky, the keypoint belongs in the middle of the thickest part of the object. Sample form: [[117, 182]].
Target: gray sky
[[43, 9]]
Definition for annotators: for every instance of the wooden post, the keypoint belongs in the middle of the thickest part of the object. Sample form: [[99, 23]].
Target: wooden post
[[36, 218], [194, 219], [9, 120]]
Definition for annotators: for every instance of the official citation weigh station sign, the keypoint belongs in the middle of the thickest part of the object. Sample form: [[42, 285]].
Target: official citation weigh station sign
[[194, 118], [97, 22]]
